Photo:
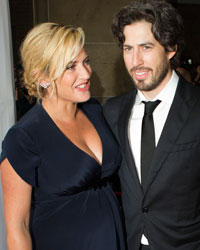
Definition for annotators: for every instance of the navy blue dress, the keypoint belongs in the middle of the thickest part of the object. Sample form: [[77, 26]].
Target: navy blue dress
[[73, 205]]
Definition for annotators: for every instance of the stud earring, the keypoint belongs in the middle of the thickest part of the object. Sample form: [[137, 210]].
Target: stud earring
[[45, 85]]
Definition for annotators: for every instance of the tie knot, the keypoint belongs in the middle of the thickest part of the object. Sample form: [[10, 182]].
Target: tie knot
[[150, 106]]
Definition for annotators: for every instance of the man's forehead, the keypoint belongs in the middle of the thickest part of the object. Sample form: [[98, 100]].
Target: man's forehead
[[139, 33]]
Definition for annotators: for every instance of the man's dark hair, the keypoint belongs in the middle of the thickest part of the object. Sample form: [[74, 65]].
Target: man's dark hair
[[167, 25]]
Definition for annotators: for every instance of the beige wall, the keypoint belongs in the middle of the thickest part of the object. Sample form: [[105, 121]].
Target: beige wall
[[95, 17]]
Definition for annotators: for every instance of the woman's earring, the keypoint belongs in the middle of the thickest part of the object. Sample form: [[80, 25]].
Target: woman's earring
[[45, 85]]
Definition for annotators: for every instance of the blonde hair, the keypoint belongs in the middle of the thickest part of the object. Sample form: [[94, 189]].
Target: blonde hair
[[45, 53]]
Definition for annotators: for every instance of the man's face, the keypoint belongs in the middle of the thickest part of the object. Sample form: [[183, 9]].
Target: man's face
[[145, 58]]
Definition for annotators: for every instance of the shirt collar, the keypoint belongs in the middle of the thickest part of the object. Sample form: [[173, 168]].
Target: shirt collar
[[167, 93]]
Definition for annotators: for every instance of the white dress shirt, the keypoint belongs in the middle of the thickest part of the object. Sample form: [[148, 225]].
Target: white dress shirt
[[160, 114]]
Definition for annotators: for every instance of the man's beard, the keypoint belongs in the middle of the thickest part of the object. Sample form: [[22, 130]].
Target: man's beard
[[156, 79]]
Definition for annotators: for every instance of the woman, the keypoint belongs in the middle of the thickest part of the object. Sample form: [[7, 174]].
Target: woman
[[57, 160]]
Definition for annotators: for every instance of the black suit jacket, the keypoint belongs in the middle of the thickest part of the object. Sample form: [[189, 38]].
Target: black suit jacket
[[168, 209]]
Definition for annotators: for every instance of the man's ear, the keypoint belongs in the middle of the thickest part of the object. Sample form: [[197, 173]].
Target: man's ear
[[172, 51]]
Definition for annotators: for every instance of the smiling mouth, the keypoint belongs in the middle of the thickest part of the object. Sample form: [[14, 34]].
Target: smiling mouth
[[83, 86], [141, 74]]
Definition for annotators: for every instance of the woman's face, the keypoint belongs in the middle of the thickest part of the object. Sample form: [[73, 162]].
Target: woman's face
[[74, 84]]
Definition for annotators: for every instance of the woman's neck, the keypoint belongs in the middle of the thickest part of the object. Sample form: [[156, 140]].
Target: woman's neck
[[60, 110]]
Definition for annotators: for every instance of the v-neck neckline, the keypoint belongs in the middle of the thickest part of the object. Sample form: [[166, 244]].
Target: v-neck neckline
[[73, 144]]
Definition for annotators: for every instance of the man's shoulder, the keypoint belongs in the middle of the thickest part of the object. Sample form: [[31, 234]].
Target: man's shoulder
[[119, 101], [188, 89], [115, 106]]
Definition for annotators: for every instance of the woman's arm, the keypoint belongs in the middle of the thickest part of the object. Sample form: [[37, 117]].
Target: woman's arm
[[17, 201]]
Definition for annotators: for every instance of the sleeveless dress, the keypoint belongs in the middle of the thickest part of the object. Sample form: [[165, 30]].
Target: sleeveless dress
[[73, 205]]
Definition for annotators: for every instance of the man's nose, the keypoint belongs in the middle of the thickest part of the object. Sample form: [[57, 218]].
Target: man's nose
[[137, 58]]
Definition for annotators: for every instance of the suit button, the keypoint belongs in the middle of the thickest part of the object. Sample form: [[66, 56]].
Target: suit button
[[145, 210]]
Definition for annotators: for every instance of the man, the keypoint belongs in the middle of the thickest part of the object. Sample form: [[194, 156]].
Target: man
[[161, 200]]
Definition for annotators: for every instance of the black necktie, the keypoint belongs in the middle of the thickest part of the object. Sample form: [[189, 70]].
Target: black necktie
[[147, 139]]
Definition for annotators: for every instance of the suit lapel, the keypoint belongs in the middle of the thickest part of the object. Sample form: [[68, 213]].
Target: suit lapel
[[124, 141], [180, 110]]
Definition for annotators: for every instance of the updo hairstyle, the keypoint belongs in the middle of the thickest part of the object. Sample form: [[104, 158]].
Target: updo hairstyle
[[45, 53]]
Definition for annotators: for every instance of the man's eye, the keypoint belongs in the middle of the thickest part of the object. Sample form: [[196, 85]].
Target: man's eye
[[146, 47], [127, 48]]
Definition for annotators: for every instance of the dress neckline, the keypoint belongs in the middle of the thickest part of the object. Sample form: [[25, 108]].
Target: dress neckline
[[73, 144]]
